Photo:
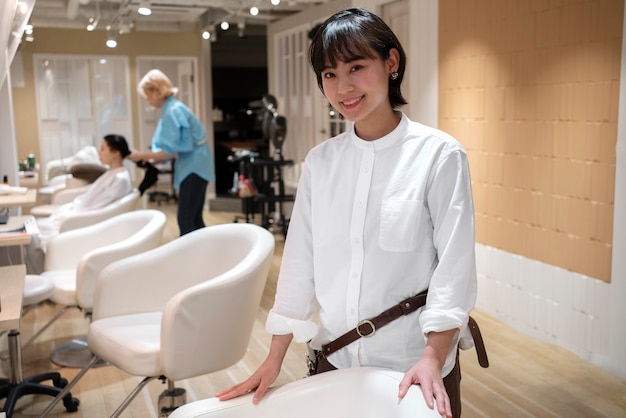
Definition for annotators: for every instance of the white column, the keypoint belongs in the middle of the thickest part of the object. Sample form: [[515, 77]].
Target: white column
[[8, 146], [617, 332], [423, 52]]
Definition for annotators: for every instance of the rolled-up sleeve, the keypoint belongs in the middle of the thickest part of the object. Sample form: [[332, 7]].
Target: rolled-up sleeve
[[295, 305], [452, 291]]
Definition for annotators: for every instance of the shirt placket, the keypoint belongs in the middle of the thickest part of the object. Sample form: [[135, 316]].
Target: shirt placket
[[357, 227]]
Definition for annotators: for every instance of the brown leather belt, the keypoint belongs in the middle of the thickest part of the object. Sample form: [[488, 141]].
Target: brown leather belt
[[368, 327]]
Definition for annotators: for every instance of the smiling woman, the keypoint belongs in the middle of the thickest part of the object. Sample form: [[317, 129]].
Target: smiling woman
[[387, 197]]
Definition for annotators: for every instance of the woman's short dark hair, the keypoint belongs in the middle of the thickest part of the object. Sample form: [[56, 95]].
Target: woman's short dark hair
[[353, 34], [117, 143]]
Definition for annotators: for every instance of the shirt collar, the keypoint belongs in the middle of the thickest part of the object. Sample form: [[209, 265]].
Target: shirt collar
[[391, 139]]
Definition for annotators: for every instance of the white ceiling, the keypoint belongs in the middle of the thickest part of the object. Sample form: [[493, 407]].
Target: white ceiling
[[167, 15]]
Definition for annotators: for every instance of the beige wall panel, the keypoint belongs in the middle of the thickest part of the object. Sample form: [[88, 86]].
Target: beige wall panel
[[600, 231], [494, 231], [539, 81], [603, 183]]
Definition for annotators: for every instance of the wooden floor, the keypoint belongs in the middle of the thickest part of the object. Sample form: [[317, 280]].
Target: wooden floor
[[527, 378]]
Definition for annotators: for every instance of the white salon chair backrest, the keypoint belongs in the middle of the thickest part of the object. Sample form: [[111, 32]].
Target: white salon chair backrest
[[363, 392], [74, 259], [81, 219], [205, 287]]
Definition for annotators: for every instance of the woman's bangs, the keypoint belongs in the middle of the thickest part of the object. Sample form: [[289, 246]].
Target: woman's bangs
[[346, 44]]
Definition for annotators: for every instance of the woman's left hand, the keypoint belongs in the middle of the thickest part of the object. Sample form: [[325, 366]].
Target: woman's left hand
[[427, 374]]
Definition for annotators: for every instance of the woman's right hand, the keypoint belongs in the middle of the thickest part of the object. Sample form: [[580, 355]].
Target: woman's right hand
[[265, 375], [259, 382]]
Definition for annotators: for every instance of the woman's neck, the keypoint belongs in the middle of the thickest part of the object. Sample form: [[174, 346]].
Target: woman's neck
[[115, 164], [375, 128]]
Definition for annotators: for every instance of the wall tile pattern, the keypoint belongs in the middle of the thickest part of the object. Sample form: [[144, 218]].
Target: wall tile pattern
[[558, 306], [530, 88]]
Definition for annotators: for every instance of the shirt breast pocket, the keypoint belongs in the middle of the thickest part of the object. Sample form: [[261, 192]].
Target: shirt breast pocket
[[400, 224]]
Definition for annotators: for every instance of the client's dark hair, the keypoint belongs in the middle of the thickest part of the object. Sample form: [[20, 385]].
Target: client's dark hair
[[118, 143]]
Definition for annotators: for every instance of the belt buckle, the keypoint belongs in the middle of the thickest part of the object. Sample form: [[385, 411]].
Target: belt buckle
[[365, 322]]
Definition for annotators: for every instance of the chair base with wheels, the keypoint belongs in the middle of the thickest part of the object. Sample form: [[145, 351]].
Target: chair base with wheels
[[15, 387], [37, 290]]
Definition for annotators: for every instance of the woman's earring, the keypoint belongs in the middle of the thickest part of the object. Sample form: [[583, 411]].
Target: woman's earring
[[394, 75]]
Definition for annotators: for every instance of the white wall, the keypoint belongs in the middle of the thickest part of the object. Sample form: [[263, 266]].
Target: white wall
[[422, 56], [8, 147], [10, 18], [616, 361]]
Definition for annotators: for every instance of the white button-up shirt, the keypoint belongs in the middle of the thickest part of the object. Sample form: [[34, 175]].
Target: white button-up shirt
[[375, 222]]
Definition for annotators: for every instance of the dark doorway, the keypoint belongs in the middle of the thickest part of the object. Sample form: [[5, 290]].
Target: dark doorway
[[239, 80]]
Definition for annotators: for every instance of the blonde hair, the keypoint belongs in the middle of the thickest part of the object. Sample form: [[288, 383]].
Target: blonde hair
[[158, 80]]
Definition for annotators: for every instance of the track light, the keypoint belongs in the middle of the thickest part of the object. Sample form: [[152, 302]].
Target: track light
[[144, 8], [124, 24], [93, 21], [92, 24], [275, 2], [241, 26], [206, 34], [254, 10], [224, 25], [111, 39], [28, 32]]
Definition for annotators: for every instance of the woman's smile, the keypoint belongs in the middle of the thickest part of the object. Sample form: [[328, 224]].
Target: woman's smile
[[352, 102]]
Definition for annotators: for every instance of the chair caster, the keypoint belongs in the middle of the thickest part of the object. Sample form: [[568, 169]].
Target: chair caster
[[70, 404], [61, 382], [170, 399]]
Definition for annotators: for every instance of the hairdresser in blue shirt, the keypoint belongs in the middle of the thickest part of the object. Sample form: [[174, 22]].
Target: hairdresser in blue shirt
[[178, 135]]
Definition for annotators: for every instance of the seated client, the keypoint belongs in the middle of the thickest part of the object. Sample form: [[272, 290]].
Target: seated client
[[114, 184]]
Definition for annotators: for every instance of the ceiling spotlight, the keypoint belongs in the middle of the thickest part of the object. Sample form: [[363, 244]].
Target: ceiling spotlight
[[92, 24], [111, 39], [275, 2], [224, 25], [28, 32], [254, 10], [144, 8], [206, 34]]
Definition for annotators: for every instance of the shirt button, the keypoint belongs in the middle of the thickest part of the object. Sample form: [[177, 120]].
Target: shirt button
[[360, 204], [355, 275]]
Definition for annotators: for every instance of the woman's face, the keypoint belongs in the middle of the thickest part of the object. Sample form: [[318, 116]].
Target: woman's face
[[107, 155], [359, 89], [153, 96]]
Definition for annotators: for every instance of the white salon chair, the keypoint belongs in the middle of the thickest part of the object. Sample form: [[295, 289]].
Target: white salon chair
[[201, 293], [123, 205], [66, 174], [79, 219], [74, 259], [59, 197], [363, 392]]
